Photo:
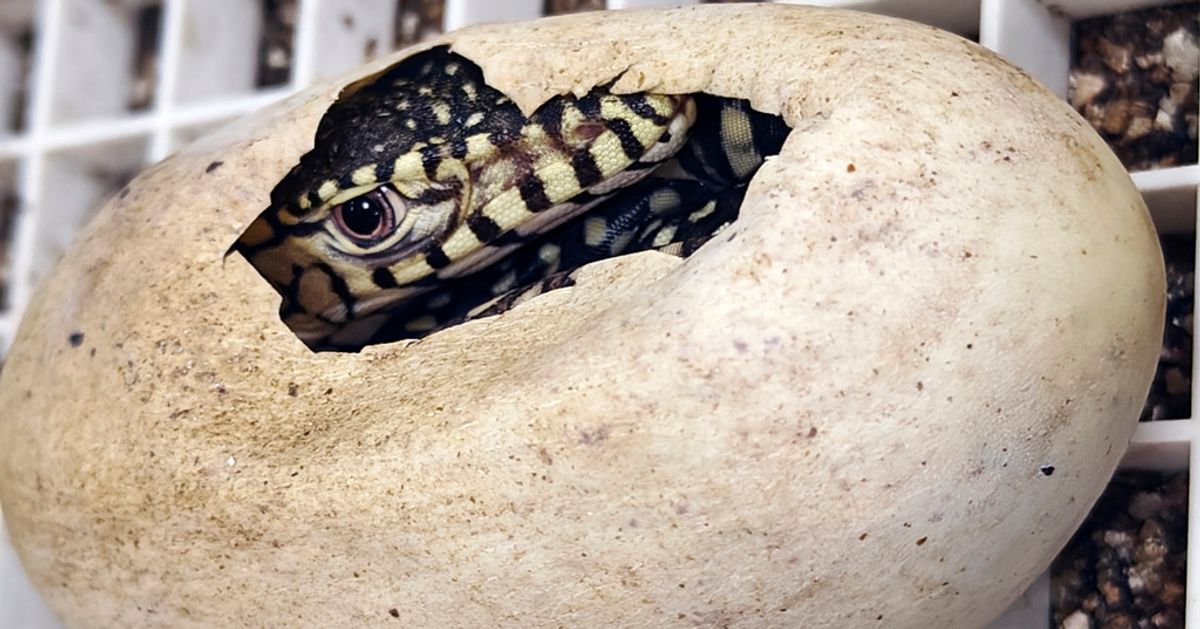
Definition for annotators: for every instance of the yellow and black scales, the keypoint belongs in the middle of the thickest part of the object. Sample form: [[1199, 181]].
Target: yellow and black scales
[[429, 198]]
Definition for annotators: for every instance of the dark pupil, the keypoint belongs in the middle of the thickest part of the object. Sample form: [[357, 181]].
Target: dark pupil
[[362, 216]]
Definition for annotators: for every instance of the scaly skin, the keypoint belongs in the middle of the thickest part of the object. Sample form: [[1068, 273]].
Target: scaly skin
[[420, 201]]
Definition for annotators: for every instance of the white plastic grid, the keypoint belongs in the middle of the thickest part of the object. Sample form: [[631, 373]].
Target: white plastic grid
[[80, 139]]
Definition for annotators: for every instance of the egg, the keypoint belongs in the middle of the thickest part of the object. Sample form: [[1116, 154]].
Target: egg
[[883, 397]]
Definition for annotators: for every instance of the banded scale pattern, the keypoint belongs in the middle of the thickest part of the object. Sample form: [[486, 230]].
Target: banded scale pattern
[[684, 204], [429, 199], [426, 174]]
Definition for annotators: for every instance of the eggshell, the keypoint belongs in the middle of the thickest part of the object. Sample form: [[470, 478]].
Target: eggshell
[[884, 397]]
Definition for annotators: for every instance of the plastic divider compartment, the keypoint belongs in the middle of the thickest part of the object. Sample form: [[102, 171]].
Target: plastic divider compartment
[[1171, 393], [1133, 76], [184, 135], [1037, 37], [418, 20], [75, 182], [1030, 611], [21, 607], [10, 203], [276, 44], [105, 51], [641, 4], [338, 35], [460, 13], [1123, 568], [956, 16], [1170, 193], [1162, 446], [16, 64], [564, 7], [347, 33], [218, 50]]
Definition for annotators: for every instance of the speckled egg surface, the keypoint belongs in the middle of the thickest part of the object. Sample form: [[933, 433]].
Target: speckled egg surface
[[884, 397]]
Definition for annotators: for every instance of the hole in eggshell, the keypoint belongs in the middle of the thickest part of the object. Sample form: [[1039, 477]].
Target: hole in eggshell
[[591, 178]]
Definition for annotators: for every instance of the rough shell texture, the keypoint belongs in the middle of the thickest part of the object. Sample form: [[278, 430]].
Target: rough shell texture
[[884, 397]]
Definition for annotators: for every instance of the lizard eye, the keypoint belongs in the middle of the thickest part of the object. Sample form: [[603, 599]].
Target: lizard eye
[[369, 217]]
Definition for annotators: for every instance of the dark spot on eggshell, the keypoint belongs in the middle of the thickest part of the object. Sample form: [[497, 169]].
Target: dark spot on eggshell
[[594, 437]]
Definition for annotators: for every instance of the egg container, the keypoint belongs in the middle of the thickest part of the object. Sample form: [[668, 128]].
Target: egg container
[[93, 90]]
